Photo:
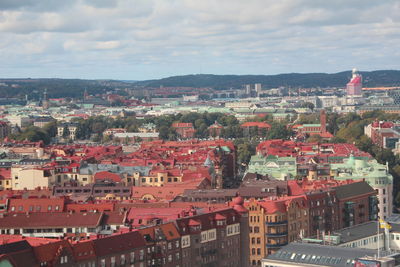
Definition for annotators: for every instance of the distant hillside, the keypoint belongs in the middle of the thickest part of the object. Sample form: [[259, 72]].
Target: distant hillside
[[74, 88], [371, 79], [56, 87]]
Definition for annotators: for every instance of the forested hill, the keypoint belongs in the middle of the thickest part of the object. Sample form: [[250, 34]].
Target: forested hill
[[371, 79], [56, 87], [75, 87]]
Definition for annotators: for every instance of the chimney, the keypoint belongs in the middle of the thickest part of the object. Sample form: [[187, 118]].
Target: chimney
[[323, 121]]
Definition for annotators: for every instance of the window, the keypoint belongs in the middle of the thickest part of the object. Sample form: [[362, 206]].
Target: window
[[253, 240], [49, 208], [132, 257], [112, 261], [123, 259], [170, 258], [64, 259], [103, 263], [57, 207]]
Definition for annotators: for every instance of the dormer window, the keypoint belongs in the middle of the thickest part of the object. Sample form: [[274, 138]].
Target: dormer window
[[221, 222]]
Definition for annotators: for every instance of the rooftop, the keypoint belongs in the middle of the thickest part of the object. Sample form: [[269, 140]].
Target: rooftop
[[320, 255]]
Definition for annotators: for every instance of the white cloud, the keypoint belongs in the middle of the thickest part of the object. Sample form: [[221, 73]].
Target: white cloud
[[177, 36], [107, 45]]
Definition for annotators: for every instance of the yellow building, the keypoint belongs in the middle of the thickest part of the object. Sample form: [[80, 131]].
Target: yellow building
[[274, 223], [160, 178], [31, 178]]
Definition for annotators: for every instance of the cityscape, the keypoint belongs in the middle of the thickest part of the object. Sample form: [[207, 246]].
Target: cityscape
[[117, 148]]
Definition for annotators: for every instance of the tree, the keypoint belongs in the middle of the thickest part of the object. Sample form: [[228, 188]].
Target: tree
[[315, 138], [365, 143], [96, 138], [202, 131], [279, 131], [51, 128], [308, 118], [244, 153], [308, 105], [163, 132], [337, 140], [34, 134], [98, 127], [66, 132], [352, 132], [106, 138], [348, 118], [172, 134], [332, 126], [397, 199]]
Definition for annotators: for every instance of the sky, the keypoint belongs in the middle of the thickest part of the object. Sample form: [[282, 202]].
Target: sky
[[149, 39]]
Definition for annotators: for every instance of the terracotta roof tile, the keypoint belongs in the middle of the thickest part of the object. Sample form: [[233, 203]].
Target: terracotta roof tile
[[41, 220]]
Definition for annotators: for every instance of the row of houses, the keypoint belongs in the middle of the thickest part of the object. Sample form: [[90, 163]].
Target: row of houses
[[210, 239]]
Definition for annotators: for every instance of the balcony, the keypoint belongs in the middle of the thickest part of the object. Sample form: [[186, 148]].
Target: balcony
[[276, 223], [277, 234], [317, 218], [209, 252], [277, 245]]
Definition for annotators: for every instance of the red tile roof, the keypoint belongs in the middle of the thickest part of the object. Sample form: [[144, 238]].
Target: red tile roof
[[114, 217], [43, 220], [144, 216], [256, 124], [207, 220], [118, 243], [87, 207], [83, 250], [5, 173], [182, 125], [105, 175], [36, 205], [52, 251], [33, 241], [168, 229]]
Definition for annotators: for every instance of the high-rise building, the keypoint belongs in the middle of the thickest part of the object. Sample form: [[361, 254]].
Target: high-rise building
[[248, 89], [258, 88], [354, 87]]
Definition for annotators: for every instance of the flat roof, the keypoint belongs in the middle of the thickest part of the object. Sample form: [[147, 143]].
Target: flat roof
[[320, 255], [357, 232]]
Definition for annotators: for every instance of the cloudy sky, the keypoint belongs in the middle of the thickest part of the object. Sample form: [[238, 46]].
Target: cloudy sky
[[144, 39]]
